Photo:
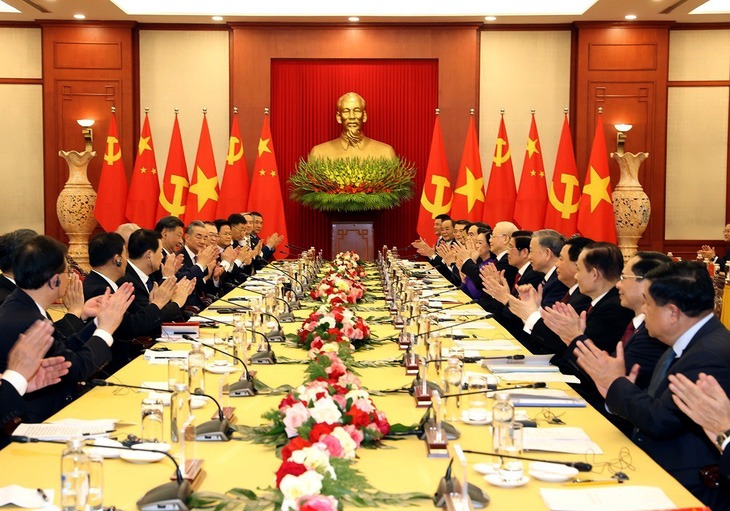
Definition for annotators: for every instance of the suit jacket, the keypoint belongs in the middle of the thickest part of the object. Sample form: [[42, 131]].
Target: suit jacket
[[146, 318], [87, 354], [191, 270], [645, 350], [667, 435], [542, 340], [502, 314], [6, 287], [553, 290], [12, 407]]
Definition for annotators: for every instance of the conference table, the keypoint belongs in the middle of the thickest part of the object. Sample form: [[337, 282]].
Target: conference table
[[400, 465]]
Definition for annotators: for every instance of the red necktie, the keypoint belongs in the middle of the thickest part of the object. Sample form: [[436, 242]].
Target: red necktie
[[566, 298], [628, 333], [590, 308], [517, 279]]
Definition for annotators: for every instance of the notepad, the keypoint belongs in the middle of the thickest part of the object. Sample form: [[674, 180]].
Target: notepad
[[564, 439], [25, 497], [543, 376], [612, 498], [531, 363], [552, 398]]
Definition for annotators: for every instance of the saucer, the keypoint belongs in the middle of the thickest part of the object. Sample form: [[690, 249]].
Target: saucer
[[496, 480], [153, 446], [140, 457], [100, 447], [551, 472], [466, 420], [485, 468], [224, 369]]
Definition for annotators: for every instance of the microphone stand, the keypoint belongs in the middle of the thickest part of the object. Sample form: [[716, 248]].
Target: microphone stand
[[284, 317], [170, 496], [265, 356], [217, 430], [301, 292], [579, 465], [244, 387]]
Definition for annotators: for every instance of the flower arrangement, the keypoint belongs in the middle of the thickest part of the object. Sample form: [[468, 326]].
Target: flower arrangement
[[333, 324], [352, 184], [348, 265], [335, 288]]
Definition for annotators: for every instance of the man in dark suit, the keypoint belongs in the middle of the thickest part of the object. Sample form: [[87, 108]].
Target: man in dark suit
[[200, 263], [9, 244], [498, 245], [171, 230], [436, 255], [41, 272], [239, 231], [267, 248], [27, 371], [678, 308], [721, 259]]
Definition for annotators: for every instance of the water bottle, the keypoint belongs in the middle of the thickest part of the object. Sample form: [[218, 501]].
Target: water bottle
[[180, 410], [74, 476], [196, 369], [503, 413]]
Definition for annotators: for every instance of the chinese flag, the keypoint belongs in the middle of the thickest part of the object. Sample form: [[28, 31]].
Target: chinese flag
[[499, 204], [203, 192], [144, 190], [174, 192], [265, 196], [436, 194], [595, 213], [468, 200], [234, 187], [111, 200], [532, 195], [563, 194]]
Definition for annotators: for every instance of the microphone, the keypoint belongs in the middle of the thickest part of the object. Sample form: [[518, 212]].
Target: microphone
[[244, 387], [579, 465], [262, 356], [297, 247], [284, 317], [273, 336], [536, 385], [170, 496], [470, 360], [472, 320], [299, 294], [213, 430]]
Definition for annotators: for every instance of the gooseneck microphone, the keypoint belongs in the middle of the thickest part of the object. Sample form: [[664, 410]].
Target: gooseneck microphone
[[579, 465], [472, 320], [216, 430], [170, 496], [265, 356], [299, 294], [273, 336]]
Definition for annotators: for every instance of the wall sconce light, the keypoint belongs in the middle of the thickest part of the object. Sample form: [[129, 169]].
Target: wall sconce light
[[86, 124], [621, 130]]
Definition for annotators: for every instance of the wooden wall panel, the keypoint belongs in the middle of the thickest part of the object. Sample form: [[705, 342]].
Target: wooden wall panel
[[87, 69], [623, 69]]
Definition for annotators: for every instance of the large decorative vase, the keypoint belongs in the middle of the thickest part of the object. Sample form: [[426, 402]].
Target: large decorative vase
[[75, 205], [631, 205]]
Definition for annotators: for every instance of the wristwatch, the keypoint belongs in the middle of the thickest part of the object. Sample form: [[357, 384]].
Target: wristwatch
[[722, 439]]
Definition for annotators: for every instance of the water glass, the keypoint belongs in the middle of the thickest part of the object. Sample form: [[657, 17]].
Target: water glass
[[95, 498], [477, 387], [511, 443], [177, 372], [152, 428]]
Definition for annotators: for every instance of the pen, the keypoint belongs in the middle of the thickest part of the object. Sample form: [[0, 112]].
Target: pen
[[99, 432], [593, 482], [42, 494]]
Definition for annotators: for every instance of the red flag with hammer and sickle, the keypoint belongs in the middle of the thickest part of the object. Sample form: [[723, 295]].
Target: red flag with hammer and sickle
[[111, 200], [174, 192], [234, 186], [564, 191], [499, 204], [436, 194]]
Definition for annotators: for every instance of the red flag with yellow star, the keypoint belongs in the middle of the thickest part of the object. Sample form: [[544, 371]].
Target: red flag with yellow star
[[563, 194], [532, 194], [234, 185], [595, 213], [436, 195], [144, 189], [203, 192], [174, 192], [265, 196], [111, 200], [468, 200], [499, 204]]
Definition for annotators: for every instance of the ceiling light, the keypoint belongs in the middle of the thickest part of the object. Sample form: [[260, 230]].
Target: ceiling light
[[404, 8], [353, 18], [7, 8], [490, 18], [217, 18], [713, 7], [79, 16], [630, 17]]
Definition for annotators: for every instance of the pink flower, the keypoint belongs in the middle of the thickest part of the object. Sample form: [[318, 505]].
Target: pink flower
[[334, 447], [295, 416], [318, 503], [356, 435]]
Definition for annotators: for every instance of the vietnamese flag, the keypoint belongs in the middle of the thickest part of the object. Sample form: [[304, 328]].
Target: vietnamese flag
[[111, 200], [468, 200], [203, 193], [532, 194], [595, 213], [563, 195], [174, 192], [265, 196], [499, 204], [144, 190], [436, 195], [234, 186]]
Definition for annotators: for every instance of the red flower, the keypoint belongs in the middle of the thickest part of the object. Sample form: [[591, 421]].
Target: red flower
[[337, 313], [360, 419], [289, 467], [288, 401], [321, 429], [295, 444]]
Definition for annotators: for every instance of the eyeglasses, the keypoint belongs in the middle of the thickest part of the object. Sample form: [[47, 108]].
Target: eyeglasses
[[638, 278]]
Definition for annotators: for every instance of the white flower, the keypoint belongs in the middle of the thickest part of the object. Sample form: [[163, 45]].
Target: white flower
[[357, 394], [325, 410], [293, 488], [315, 457], [348, 444]]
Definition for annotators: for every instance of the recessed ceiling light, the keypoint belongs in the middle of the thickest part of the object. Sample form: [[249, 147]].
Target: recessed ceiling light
[[353, 18], [630, 17], [7, 8], [490, 18], [79, 16], [217, 18], [713, 7]]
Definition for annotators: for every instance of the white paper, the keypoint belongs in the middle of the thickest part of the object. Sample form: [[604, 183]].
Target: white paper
[[559, 439], [539, 376], [25, 497], [484, 345], [544, 398], [164, 355], [49, 431], [90, 427], [620, 497]]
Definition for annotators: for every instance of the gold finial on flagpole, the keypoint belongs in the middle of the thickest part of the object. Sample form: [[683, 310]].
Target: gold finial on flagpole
[[205, 111], [266, 110], [600, 110], [146, 109], [532, 111], [235, 110], [114, 109], [438, 111], [471, 111], [177, 110], [565, 110], [501, 112]]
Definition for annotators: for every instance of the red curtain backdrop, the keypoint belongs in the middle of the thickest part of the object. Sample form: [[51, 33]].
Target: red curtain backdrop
[[401, 97]]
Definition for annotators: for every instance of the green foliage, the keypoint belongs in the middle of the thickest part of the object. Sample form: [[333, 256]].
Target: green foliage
[[352, 184]]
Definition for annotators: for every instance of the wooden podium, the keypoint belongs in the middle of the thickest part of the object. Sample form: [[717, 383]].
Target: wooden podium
[[355, 236]]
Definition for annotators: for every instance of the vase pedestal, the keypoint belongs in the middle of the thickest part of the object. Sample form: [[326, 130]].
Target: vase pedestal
[[355, 236]]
